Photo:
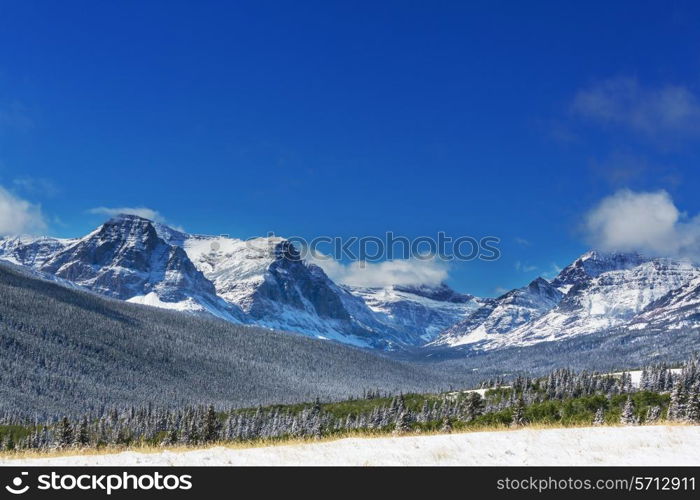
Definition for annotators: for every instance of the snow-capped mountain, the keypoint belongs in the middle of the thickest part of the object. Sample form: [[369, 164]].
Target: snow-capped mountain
[[275, 288], [263, 281], [498, 317], [421, 312], [603, 291], [31, 251], [127, 260], [593, 264], [679, 308]]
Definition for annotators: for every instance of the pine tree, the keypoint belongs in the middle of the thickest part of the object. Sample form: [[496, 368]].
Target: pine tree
[[403, 422], [518, 413], [8, 443], [693, 409], [676, 408], [64, 433], [446, 426], [599, 418], [210, 428], [627, 416], [83, 438], [424, 414], [653, 415]]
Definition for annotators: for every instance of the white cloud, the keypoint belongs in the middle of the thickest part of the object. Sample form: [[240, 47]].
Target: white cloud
[[146, 213], [35, 186], [624, 101], [380, 274], [18, 216], [524, 268], [648, 222]]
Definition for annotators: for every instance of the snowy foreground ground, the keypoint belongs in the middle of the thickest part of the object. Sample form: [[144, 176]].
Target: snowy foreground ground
[[650, 445]]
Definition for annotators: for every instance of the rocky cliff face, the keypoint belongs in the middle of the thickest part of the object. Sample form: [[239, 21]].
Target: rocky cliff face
[[126, 259]]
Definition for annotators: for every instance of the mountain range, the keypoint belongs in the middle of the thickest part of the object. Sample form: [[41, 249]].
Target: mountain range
[[263, 282]]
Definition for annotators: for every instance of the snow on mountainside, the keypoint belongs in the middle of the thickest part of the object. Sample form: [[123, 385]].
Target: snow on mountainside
[[267, 279], [679, 308], [607, 301], [31, 251], [124, 259], [263, 281], [421, 311], [500, 316], [604, 291], [259, 281], [593, 264]]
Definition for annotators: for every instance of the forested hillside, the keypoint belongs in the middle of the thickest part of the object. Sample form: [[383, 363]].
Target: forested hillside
[[65, 351]]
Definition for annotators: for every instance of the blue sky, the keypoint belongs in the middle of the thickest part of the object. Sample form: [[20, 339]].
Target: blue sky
[[512, 119]]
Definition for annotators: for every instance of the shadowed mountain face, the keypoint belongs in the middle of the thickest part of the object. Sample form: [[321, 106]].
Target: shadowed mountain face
[[126, 258], [592, 264]]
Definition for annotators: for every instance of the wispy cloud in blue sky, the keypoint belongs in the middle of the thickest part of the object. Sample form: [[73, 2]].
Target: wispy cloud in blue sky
[[666, 109], [18, 216]]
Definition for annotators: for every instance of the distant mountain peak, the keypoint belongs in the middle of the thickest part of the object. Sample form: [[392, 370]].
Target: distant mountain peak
[[499, 316], [128, 217], [594, 263], [441, 292]]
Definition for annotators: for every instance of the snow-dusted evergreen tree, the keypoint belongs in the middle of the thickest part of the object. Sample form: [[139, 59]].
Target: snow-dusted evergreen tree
[[519, 413], [693, 408], [627, 416], [403, 422], [676, 408], [83, 437], [653, 415], [64, 434], [424, 414], [446, 426], [626, 382], [599, 418], [210, 427]]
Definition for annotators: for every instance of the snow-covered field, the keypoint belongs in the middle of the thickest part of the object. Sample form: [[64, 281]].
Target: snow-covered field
[[650, 445]]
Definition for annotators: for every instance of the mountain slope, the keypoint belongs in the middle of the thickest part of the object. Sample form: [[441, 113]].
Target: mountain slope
[[125, 259], [594, 263], [604, 291], [260, 281], [607, 301], [276, 289], [500, 316], [68, 351], [420, 311], [678, 309]]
